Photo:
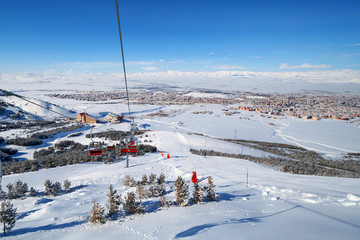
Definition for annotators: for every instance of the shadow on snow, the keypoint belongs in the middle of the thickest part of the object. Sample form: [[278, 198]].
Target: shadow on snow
[[43, 228], [204, 227]]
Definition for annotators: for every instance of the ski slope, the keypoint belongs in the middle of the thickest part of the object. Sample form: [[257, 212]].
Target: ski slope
[[276, 205]]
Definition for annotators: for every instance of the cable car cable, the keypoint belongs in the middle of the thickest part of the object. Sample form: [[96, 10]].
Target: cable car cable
[[123, 58]]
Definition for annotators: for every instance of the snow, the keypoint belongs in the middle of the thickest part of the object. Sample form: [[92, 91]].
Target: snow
[[275, 205], [42, 111]]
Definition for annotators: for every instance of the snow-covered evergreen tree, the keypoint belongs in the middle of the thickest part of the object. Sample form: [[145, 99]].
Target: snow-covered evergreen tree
[[165, 203], [97, 214], [161, 179], [11, 191], [131, 206], [210, 191], [47, 185], [67, 185], [198, 194], [182, 192], [114, 200], [152, 178], [56, 188], [33, 192], [7, 215], [20, 189], [52, 188], [144, 180], [126, 181], [141, 191], [2, 194]]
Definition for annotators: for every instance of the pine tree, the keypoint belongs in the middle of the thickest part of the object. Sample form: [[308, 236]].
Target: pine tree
[[48, 185], [210, 191], [52, 188], [33, 192], [152, 178], [144, 180], [11, 191], [182, 192], [56, 188], [165, 203], [114, 200], [141, 191], [97, 214], [20, 189], [161, 179], [67, 185], [130, 206], [126, 181], [7, 215], [2, 194], [198, 194]]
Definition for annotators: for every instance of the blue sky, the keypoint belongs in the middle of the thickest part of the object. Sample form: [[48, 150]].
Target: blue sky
[[188, 36]]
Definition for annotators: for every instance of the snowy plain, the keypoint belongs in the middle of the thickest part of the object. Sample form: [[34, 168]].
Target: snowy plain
[[275, 205]]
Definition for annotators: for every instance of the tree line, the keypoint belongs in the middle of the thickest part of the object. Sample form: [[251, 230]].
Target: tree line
[[150, 187], [305, 166]]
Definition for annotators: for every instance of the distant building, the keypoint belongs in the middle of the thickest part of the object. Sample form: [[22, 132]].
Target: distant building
[[85, 118], [114, 118]]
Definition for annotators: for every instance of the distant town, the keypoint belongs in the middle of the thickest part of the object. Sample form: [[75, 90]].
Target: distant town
[[307, 106]]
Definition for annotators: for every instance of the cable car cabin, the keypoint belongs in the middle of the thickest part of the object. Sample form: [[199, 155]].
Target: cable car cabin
[[132, 144], [96, 152], [131, 148]]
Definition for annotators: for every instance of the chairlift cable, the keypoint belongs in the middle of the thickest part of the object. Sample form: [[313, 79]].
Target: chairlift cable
[[123, 59]]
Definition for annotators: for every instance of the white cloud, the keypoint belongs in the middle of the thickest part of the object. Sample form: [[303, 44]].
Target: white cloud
[[305, 65], [226, 80], [151, 62], [257, 57], [355, 45], [150, 68], [227, 67], [211, 53], [93, 64]]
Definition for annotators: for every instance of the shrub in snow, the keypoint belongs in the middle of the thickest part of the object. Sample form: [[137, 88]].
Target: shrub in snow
[[130, 206], [114, 200], [67, 185], [198, 194], [144, 179], [97, 214], [20, 189], [141, 191], [9, 151], [156, 190], [56, 188], [2, 193], [33, 192], [182, 192], [47, 185], [161, 179], [25, 141], [7, 215], [165, 203], [152, 178], [128, 181], [52, 188], [11, 191]]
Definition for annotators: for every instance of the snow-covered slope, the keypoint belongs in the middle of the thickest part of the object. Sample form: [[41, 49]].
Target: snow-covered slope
[[46, 111], [276, 205]]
